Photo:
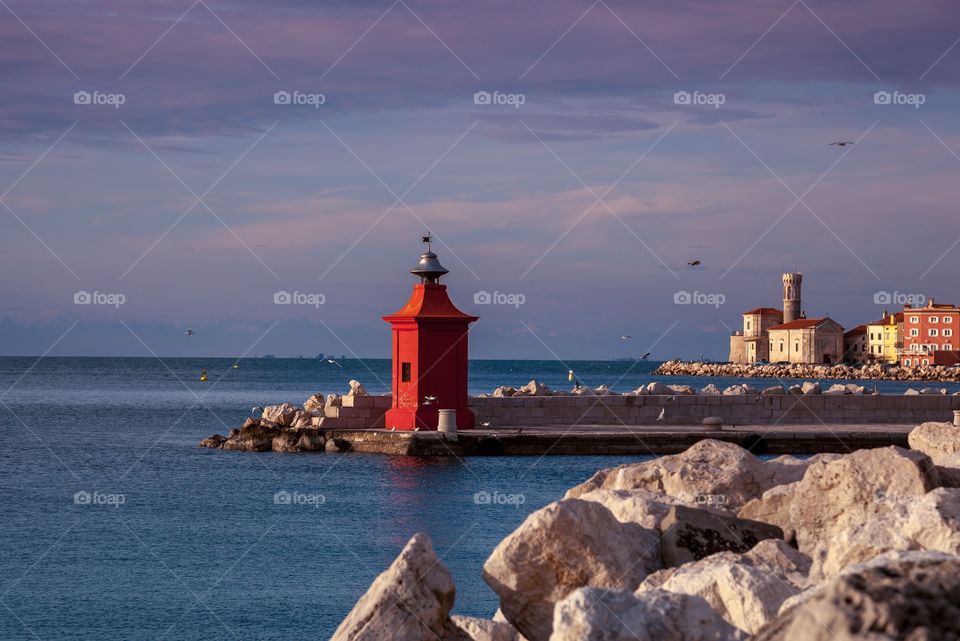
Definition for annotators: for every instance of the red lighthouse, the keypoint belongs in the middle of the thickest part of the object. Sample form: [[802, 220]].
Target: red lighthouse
[[429, 353]]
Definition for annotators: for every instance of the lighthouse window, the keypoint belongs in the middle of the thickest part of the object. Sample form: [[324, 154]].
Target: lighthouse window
[[405, 372]]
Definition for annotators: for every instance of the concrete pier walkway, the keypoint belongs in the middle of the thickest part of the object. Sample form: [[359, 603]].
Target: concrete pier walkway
[[544, 440]]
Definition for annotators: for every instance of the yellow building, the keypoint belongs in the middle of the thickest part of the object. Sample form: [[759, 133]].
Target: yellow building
[[885, 337]]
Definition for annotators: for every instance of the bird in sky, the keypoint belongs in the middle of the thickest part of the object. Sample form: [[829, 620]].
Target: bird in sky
[[663, 414], [626, 337], [189, 332], [646, 356], [330, 360], [694, 263], [841, 143]]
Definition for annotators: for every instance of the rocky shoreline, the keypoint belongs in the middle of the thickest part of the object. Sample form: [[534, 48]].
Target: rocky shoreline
[[712, 544], [946, 374]]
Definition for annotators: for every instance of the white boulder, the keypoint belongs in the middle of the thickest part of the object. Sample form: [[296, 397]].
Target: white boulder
[[559, 548], [411, 600], [592, 614]]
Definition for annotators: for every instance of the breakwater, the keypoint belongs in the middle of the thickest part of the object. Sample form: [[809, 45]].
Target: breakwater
[[872, 372]]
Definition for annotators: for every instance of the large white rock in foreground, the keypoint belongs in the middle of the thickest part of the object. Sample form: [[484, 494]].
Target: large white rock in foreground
[[559, 548], [939, 441], [911, 596], [485, 629], [410, 601], [747, 589], [854, 491], [592, 614], [723, 475]]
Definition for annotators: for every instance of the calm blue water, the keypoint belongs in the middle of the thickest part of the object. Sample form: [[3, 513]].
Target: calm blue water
[[178, 542]]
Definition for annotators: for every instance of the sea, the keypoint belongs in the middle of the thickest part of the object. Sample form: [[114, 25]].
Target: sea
[[115, 525]]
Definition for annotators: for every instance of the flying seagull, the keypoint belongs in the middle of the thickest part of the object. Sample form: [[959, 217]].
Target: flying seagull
[[626, 338], [663, 414], [256, 409], [694, 263], [330, 360], [646, 356], [841, 143], [189, 332]]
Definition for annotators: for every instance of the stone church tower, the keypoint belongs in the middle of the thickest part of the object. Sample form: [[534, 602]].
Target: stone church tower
[[791, 296]]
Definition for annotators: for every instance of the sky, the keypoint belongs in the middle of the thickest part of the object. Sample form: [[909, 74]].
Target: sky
[[200, 163]]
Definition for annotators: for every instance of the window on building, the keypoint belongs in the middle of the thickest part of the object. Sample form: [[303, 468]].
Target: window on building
[[914, 332], [926, 361], [934, 331], [796, 347], [948, 319], [914, 319], [781, 346], [934, 319], [907, 362], [947, 346], [947, 332], [405, 372], [748, 324]]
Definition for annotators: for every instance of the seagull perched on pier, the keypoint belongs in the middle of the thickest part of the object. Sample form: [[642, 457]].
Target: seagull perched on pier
[[256, 409], [416, 429], [428, 400], [486, 424], [393, 429], [663, 414]]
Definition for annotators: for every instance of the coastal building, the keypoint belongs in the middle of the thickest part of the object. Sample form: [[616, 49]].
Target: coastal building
[[855, 349], [930, 334], [750, 346], [807, 340], [885, 338], [429, 353], [797, 339]]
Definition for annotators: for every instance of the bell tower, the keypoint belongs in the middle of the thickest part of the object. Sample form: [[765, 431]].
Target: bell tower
[[791, 296], [429, 353]]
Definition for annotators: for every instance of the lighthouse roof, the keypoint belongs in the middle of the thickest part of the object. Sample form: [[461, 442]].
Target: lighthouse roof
[[430, 301]]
